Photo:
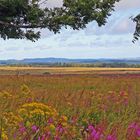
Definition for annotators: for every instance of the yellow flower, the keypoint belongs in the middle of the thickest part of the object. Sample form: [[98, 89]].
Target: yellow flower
[[23, 111], [52, 127], [37, 112], [28, 124], [47, 114], [64, 124], [5, 95], [31, 111], [64, 118], [11, 120], [4, 136]]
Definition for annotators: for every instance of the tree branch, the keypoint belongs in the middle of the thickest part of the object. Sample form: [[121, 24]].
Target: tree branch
[[21, 26]]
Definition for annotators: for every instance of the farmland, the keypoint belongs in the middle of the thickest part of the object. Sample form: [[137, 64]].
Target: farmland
[[7, 70], [69, 103]]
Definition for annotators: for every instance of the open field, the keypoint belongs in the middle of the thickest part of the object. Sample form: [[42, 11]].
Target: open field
[[99, 104], [65, 70]]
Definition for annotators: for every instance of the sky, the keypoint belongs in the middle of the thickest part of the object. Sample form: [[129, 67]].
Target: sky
[[114, 40]]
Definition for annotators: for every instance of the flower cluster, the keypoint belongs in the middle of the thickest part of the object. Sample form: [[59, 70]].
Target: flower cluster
[[97, 133], [41, 121], [133, 131]]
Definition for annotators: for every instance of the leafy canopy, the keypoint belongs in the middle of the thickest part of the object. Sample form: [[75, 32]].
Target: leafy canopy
[[19, 19], [137, 31]]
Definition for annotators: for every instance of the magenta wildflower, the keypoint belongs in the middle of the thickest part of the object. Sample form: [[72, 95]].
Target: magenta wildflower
[[134, 128], [22, 128], [93, 133], [97, 136], [34, 128], [111, 137], [60, 129], [50, 120], [91, 129], [138, 132], [43, 137]]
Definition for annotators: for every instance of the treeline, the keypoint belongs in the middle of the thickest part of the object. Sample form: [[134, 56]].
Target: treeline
[[104, 65]]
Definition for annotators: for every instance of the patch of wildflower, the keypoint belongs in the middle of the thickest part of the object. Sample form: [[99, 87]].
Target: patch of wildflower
[[42, 121], [3, 135], [5, 98], [133, 131], [11, 120], [37, 113], [98, 132], [113, 101]]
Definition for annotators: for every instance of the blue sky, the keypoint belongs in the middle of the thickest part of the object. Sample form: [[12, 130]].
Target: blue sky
[[114, 40]]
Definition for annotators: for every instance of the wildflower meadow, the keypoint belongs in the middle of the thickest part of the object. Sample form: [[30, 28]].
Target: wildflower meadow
[[70, 107]]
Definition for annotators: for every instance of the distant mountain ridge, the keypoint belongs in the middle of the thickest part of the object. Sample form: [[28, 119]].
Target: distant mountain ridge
[[52, 60]]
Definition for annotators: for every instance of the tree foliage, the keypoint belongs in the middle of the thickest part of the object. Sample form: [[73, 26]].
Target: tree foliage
[[137, 31], [19, 19]]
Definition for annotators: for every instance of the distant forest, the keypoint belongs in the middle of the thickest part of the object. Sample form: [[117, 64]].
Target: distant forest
[[104, 65]]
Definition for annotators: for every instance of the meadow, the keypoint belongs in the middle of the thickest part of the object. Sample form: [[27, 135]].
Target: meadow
[[69, 104]]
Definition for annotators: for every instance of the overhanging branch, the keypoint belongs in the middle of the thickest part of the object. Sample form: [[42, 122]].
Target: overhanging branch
[[21, 26]]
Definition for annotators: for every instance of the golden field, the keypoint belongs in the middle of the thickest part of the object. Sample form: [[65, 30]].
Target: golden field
[[66, 70]]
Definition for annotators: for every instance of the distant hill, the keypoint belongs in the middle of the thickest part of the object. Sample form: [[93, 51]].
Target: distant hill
[[68, 61]]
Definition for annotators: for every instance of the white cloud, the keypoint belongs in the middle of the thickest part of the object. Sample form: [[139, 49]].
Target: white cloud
[[122, 5], [111, 40], [54, 3], [128, 4]]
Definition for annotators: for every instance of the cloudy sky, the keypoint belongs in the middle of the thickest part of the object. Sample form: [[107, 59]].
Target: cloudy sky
[[114, 40]]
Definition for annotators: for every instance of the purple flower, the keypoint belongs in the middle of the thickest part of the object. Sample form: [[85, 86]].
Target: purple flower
[[111, 137], [34, 128], [22, 128], [138, 132], [93, 133], [50, 120], [60, 129], [91, 128], [97, 136], [134, 127]]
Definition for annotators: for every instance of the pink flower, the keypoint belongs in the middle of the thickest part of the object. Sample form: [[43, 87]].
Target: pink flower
[[22, 128], [50, 120], [34, 128], [134, 129], [91, 129], [133, 125], [60, 129], [93, 133], [111, 137], [97, 136], [138, 132]]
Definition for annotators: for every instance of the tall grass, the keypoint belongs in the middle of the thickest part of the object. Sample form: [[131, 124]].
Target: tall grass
[[67, 107]]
